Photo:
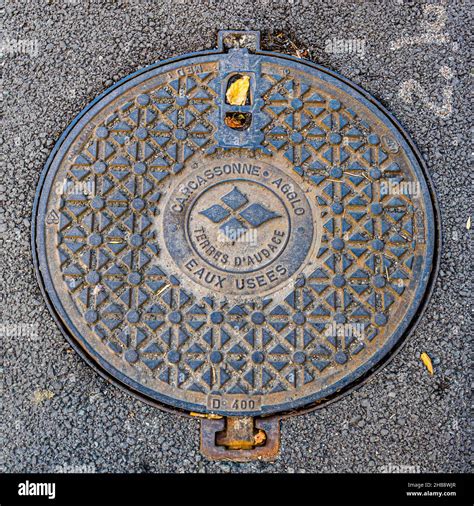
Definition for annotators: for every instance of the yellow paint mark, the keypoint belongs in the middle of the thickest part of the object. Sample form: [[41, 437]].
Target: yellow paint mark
[[42, 395], [427, 362]]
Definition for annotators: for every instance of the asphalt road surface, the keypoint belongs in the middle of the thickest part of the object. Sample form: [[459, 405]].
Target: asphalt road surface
[[58, 415]]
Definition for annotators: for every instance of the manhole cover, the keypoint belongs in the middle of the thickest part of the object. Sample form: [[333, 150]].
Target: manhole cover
[[235, 233]]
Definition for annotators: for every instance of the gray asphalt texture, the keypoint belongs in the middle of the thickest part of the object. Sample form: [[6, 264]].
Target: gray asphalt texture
[[58, 414]]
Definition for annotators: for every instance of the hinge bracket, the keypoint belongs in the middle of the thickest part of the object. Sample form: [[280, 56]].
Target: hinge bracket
[[241, 438]]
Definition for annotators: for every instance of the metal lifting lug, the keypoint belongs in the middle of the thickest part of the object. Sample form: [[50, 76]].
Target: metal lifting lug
[[240, 438]]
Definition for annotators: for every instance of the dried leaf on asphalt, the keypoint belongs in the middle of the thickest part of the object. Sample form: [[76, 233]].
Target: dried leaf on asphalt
[[210, 416], [259, 437], [427, 362], [283, 43], [238, 91]]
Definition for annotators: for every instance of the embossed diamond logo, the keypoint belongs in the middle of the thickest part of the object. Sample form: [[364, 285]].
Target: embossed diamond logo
[[234, 199], [254, 215], [233, 229], [257, 215]]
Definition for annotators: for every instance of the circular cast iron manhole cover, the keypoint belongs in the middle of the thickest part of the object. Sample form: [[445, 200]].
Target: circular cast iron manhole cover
[[239, 269]]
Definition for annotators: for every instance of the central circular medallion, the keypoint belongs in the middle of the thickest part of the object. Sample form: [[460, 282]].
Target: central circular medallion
[[231, 233], [238, 226]]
